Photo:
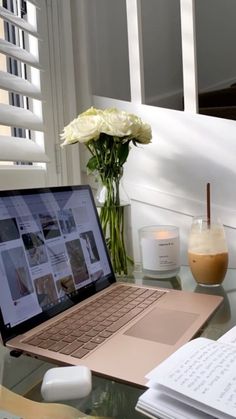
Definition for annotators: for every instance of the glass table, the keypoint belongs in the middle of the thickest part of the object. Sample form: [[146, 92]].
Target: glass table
[[108, 398]]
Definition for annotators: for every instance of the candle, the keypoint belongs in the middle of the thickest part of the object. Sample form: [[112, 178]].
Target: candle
[[160, 251]]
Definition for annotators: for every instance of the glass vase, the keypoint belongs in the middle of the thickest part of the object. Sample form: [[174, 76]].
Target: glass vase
[[111, 200]]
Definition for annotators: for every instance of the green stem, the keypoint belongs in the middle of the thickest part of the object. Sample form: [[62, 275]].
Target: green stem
[[112, 221]]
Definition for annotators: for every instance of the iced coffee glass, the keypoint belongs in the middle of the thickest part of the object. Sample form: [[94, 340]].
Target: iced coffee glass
[[207, 251]]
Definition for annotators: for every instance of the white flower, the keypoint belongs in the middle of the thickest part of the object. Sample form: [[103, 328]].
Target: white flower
[[145, 134], [92, 111], [83, 129], [119, 123]]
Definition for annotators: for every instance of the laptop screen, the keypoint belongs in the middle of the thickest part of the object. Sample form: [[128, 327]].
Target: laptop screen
[[52, 254]]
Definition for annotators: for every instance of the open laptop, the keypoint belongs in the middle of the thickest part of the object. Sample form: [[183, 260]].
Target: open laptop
[[60, 300]]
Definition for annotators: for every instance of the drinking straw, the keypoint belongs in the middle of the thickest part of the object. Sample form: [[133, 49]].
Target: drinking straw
[[208, 205]]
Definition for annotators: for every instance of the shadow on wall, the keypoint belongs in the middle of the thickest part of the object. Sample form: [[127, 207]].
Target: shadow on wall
[[181, 164]]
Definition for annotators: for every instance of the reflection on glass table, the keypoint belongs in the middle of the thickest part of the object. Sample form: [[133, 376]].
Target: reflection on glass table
[[112, 399], [173, 283]]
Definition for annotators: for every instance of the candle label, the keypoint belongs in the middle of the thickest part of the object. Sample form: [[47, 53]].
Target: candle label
[[160, 255]]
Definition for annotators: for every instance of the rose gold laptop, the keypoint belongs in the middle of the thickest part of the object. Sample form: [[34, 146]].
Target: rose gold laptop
[[59, 297]]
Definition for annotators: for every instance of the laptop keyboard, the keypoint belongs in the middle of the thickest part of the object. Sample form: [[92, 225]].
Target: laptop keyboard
[[86, 328]]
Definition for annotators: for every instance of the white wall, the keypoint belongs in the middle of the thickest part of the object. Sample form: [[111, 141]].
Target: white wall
[[166, 180]]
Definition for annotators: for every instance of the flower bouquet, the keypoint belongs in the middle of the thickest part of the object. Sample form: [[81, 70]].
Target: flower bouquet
[[107, 134]]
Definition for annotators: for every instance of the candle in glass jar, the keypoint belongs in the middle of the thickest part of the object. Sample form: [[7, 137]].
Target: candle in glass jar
[[160, 251]]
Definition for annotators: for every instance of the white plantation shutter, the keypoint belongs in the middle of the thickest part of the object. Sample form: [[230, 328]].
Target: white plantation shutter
[[26, 118]]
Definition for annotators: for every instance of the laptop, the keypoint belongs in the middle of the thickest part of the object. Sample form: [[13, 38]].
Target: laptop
[[60, 300]]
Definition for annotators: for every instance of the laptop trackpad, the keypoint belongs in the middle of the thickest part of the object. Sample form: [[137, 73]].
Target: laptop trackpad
[[162, 325]]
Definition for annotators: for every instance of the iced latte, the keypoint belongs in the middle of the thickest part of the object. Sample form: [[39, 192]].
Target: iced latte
[[207, 252]]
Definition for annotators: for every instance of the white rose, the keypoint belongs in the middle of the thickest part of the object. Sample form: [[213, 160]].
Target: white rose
[[83, 129], [92, 111], [118, 123], [144, 135]]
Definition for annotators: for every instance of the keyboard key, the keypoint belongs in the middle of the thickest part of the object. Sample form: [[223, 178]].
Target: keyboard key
[[84, 338], [80, 353], [77, 333], [105, 323], [90, 346], [101, 327], [57, 346], [45, 344], [69, 339], [124, 320], [33, 341], [71, 348], [105, 334], [92, 333], [98, 339]]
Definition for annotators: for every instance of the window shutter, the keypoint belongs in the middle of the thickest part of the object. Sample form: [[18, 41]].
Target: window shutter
[[24, 84]]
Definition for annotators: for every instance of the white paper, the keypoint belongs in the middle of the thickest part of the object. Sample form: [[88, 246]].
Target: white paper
[[205, 372], [161, 405], [197, 381], [229, 337]]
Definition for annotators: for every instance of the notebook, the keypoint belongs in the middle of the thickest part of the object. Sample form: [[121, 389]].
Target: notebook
[[60, 300]]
